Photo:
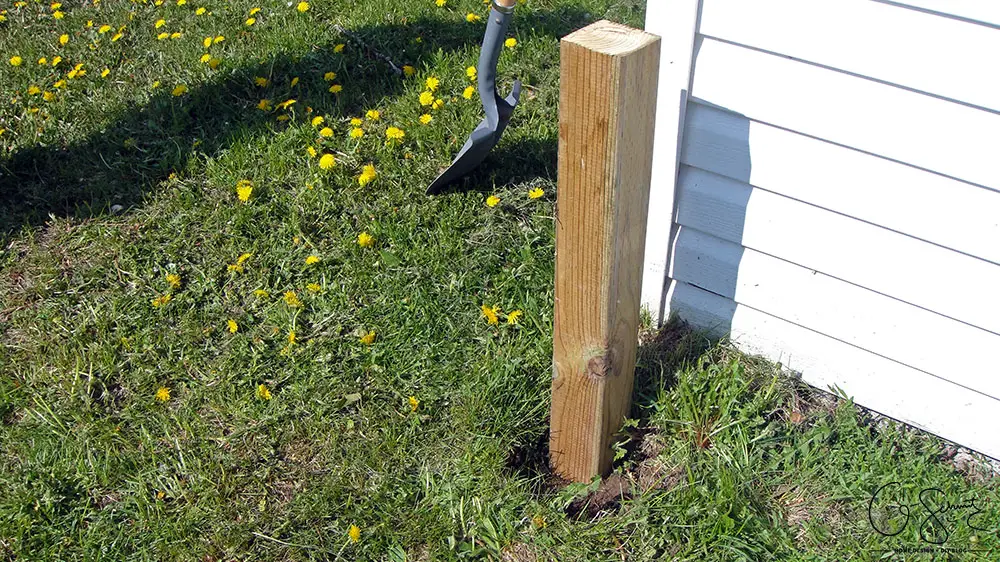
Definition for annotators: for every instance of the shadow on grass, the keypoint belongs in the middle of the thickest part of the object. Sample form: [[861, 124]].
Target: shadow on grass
[[120, 164]]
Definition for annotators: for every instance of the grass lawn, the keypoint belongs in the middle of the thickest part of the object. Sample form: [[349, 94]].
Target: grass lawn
[[232, 326]]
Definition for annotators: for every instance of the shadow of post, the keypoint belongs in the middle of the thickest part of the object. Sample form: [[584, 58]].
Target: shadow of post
[[123, 162]]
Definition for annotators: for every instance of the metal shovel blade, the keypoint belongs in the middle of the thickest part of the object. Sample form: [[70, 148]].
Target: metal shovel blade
[[498, 110]]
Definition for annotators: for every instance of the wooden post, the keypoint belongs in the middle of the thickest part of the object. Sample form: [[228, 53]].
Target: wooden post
[[607, 107]]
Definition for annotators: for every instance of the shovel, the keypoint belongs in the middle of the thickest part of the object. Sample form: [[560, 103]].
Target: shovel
[[498, 109]]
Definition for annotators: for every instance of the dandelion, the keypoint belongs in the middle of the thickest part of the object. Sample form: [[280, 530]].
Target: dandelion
[[175, 35], [367, 176], [48, 96], [426, 98], [354, 533], [317, 121], [302, 7], [104, 29], [161, 300], [55, 60], [58, 15], [291, 338], [162, 394], [16, 60], [286, 104], [43, 61], [492, 201], [59, 84], [336, 89], [432, 83], [426, 118], [355, 122], [63, 39], [536, 193], [313, 259], [373, 114], [409, 70], [365, 240], [243, 257], [469, 92], [233, 326], [263, 393], [338, 48], [510, 43], [218, 39], [181, 2], [105, 72], [440, 3], [174, 280], [264, 105], [162, 36], [179, 90], [213, 63], [206, 42], [311, 151], [368, 338], [395, 133], [261, 293], [294, 82], [117, 36], [514, 316], [200, 11], [243, 190], [292, 300], [357, 133], [326, 132], [159, 23], [438, 104], [414, 403], [472, 18], [34, 90], [330, 76], [490, 313], [327, 161], [254, 11], [314, 287], [471, 72]]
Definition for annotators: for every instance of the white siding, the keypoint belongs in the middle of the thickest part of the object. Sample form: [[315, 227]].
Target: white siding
[[836, 205]]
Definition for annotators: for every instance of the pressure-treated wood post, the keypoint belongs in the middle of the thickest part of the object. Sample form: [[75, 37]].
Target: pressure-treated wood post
[[607, 106]]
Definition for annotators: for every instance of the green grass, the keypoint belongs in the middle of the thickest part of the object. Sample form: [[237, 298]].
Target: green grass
[[725, 459]]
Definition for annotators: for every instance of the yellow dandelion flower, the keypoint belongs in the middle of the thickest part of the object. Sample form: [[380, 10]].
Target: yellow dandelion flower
[[63, 39], [472, 18], [357, 133], [218, 39], [292, 339], [471, 72], [469, 92], [105, 72], [214, 63], [338, 48], [314, 287], [294, 82], [292, 300], [233, 326], [55, 6], [200, 11], [317, 121], [326, 132], [438, 104], [263, 393], [104, 29], [286, 104], [490, 313], [409, 70], [414, 403], [243, 190], [492, 201], [160, 23], [174, 280], [254, 11], [355, 122], [205, 58], [311, 151], [330, 76], [162, 394], [327, 161], [373, 114], [426, 98], [354, 533], [395, 133], [365, 240], [59, 84], [43, 60], [336, 89], [117, 36], [58, 15], [181, 2], [34, 90], [432, 83], [264, 105], [302, 7], [234, 268], [245, 256], [368, 338], [161, 300], [514, 316], [179, 90], [261, 293], [56, 60], [176, 35], [510, 43], [48, 96], [206, 42], [367, 176], [440, 3], [426, 118], [162, 36], [536, 193], [16, 60], [313, 259]]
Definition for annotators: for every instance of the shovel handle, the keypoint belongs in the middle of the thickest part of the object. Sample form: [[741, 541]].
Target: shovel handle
[[506, 3]]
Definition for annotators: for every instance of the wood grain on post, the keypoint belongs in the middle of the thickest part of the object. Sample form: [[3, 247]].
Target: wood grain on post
[[607, 106]]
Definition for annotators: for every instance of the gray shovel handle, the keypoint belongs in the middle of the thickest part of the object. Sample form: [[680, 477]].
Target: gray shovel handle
[[496, 32]]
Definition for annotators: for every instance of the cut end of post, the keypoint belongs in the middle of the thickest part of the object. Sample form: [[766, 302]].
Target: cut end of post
[[610, 38]]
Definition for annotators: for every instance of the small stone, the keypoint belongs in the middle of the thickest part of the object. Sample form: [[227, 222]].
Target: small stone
[[115, 209]]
